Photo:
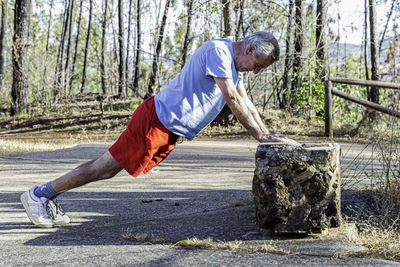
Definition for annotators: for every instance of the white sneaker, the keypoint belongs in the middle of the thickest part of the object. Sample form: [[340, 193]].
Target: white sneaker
[[56, 213], [36, 209]]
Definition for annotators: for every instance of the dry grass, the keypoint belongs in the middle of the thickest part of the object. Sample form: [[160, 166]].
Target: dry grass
[[143, 237], [234, 246], [8, 147], [381, 243], [208, 243]]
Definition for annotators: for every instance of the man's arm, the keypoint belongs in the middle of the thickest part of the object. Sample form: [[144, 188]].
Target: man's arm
[[252, 109], [238, 106], [247, 114]]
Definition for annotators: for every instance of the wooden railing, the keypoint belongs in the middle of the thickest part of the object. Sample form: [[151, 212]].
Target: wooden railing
[[329, 91]]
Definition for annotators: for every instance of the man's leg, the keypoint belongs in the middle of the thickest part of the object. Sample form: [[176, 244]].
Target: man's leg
[[38, 201], [104, 167]]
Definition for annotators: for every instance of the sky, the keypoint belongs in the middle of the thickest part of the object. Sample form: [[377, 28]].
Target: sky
[[352, 14]]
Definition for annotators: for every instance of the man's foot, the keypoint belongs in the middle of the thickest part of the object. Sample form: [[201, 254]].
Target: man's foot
[[56, 213], [36, 209]]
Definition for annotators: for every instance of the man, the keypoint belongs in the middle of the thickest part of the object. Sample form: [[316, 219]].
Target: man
[[210, 78]]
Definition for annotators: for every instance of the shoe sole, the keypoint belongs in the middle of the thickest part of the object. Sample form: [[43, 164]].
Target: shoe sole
[[61, 223], [24, 202]]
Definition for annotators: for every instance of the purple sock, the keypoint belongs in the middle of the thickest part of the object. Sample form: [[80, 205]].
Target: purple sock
[[45, 190]]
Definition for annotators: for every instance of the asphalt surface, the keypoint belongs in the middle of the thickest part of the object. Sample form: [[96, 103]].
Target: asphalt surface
[[203, 190]]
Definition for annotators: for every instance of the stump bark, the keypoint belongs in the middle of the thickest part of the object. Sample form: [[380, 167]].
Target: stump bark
[[296, 189]]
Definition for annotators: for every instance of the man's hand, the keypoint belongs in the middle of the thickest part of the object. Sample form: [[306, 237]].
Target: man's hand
[[277, 137]]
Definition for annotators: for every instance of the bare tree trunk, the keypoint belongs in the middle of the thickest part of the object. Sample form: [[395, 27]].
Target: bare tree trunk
[[60, 56], [386, 25], [19, 87], [366, 47], [298, 47], [288, 59], [2, 38], [44, 83], [374, 50], [137, 57], [159, 39], [187, 35], [122, 67], [128, 39], [68, 52], [239, 24], [227, 15], [78, 29], [83, 84], [103, 49], [321, 30]]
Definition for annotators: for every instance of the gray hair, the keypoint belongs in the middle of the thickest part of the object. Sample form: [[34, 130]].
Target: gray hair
[[265, 43]]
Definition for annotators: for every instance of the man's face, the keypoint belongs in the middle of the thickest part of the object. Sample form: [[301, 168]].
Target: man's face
[[249, 62]]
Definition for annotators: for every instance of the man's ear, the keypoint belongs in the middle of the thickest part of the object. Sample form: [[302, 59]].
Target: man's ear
[[250, 49]]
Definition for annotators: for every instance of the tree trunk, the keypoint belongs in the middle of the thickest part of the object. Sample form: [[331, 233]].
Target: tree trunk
[[137, 57], [44, 83], [366, 47], [283, 103], [298, 47], [19, 87], [2, 38], [159, 39], [103, 49], [374, 50], [83, 84], [227, 15], [128, 39], [187, 35], [60, 56], [68, 51], [78, 28], [386, 25], [121, 67], [239, 23], [321, 31]]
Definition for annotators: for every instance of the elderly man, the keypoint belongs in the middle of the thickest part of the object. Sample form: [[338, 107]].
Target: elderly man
[[210, 78]]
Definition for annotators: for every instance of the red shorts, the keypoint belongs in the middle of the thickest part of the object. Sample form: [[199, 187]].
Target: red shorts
[[145, 142]]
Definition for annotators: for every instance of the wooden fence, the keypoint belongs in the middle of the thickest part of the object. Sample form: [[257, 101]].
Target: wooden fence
[[329, 91]]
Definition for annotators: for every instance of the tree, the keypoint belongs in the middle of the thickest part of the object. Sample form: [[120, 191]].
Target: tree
[[156, 56], [83, 83], [321, 30], [298, 47], [239, 22], [227, 15], [374, 50], [2, 38], [68, 51], [122, 67], [78, 28], [47, 48], [103, 49], [60, 56], [137, 57], [19, 87], [288, 59], [187, 34], [128, 39]]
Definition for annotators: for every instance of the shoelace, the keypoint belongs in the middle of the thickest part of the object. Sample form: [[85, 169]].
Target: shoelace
[[53, 208]]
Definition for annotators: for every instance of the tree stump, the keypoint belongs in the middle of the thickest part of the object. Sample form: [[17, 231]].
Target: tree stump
[[296, 189]]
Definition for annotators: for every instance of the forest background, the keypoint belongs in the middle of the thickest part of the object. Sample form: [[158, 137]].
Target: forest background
[[52, 50]]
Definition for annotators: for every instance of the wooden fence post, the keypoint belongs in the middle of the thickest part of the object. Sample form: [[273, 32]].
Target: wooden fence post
[[328, 108]]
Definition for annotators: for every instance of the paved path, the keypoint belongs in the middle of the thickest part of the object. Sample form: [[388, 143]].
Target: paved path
[[202, 190]]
